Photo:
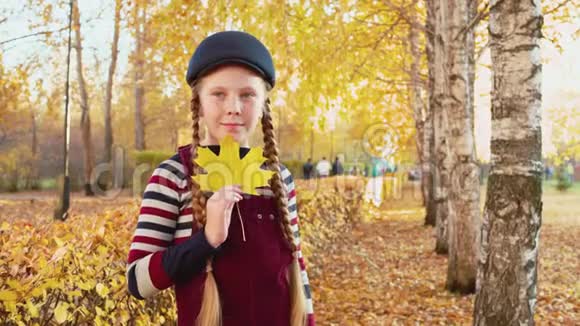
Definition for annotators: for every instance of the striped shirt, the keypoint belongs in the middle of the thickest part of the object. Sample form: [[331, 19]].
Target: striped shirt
[[164, 251]]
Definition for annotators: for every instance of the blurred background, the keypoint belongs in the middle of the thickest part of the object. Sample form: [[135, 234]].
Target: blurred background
[[343, 67], [354, 94]]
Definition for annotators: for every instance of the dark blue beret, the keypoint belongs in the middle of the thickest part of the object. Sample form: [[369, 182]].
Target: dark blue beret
[[231, 47]]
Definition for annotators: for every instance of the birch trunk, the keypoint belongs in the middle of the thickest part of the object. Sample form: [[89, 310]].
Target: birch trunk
[[88, 151], [507, 274], [139, 76], [463, 219], [416, 100], [109, 87], [440, 127], [428, 168]]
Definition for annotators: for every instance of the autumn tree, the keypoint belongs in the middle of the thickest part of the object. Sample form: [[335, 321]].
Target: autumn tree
[[463, 215], [507, 275], [440, 89], [89, 154], [428, 169], [140, 25], [110, 80]]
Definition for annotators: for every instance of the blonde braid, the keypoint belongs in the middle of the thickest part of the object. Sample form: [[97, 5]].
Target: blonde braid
[[298, 298], [210, 313], [197, 199], [276, 183]]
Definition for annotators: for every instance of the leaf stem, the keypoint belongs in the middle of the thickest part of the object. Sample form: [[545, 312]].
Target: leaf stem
[[241, 222]]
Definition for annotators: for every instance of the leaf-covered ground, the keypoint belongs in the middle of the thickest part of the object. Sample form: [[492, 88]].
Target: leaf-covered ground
[[384, 271]]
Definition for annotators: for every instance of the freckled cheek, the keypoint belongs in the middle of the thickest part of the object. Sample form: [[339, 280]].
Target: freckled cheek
[[250, 114], [211, 106]]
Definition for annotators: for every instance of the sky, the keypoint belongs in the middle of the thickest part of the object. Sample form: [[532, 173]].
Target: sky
[[560, 75], [561, 71]]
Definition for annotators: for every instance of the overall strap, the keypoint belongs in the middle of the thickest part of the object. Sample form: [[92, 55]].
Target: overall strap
[[185, 157]]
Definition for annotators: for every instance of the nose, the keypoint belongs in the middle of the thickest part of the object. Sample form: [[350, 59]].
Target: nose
[[234, 106]]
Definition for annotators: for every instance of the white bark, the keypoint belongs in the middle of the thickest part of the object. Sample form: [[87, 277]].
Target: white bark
[[428, 168], [441, 153], [507, 274], [416, 102], [464, 218]]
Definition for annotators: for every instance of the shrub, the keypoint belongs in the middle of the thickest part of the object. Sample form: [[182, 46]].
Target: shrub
[[563, 179], [73, 272]]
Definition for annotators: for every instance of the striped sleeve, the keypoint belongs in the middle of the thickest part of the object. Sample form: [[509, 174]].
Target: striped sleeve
[[293, 210], [155, 230]]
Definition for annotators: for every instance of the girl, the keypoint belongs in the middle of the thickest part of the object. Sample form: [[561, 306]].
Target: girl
[[233, 259]]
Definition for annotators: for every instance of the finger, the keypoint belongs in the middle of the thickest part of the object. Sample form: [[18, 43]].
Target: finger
[[234, 197], [227, 194]]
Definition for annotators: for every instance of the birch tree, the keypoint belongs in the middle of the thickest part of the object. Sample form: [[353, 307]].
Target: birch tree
[[507, 274], [464, 217], [428, 169], [441, 154], [416, 102]]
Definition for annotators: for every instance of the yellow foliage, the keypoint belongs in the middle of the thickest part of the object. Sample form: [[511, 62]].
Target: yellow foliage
[[7, 295], [61, 312], [89, 277], [88, 284]]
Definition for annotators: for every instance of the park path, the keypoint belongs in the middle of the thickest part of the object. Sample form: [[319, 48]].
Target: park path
[[385, 272]]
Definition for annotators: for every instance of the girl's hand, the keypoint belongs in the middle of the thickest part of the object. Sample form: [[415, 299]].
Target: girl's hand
[[219, 213]]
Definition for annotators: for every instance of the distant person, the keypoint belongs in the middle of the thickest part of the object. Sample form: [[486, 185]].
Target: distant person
[[337, 168], [323, 168], [308, 169], [551, 172], [570, 172]]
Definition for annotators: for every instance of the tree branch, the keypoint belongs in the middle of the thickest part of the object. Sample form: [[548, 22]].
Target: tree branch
[[375, 46], [48, 32], [479, 17], [553, 10], [32, 35]]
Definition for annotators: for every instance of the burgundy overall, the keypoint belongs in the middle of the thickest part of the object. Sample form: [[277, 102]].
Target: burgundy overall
[[250, 274]]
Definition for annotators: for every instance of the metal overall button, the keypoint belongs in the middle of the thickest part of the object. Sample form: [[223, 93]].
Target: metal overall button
[[259, 216], [272, 217]]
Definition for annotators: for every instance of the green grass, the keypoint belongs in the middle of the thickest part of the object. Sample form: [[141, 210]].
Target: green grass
[[550, 186], [559, 207], [48, 183]]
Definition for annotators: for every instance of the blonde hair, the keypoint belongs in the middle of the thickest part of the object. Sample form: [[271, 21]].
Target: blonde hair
[[210, 313]]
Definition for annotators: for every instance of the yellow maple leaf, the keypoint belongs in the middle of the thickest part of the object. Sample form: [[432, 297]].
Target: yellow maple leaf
[[7, 295], [228, 169], [61, 312]]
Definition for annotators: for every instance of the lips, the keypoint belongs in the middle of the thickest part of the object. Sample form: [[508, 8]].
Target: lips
[[232, 127]]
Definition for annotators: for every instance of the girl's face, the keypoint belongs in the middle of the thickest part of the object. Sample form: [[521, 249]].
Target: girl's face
[[232, 100]]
